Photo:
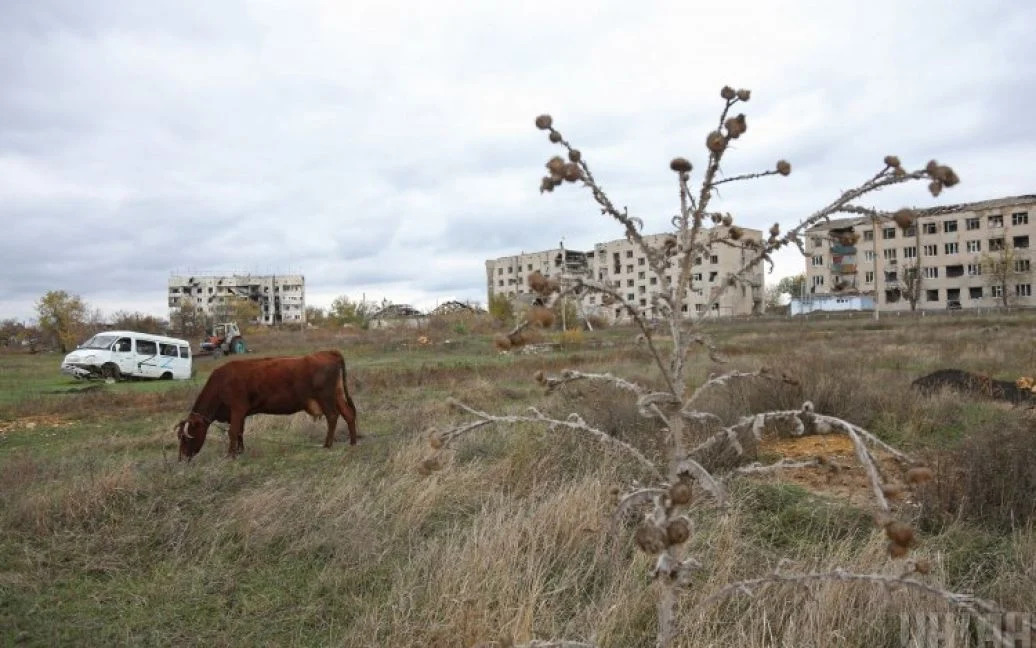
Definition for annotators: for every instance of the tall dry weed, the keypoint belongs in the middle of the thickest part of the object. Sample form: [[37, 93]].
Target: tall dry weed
[[682, 472]]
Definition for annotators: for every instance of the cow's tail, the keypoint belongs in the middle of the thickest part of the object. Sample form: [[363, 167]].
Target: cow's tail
[[345, 386]]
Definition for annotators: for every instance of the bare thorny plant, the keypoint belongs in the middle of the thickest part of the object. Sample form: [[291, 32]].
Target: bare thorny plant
[[689, 473]]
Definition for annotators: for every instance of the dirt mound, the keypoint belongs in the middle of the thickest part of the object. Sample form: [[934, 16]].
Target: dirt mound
[[977, 384]]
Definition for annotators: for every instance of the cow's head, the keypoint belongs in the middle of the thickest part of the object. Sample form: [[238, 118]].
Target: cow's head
[[191, 432]]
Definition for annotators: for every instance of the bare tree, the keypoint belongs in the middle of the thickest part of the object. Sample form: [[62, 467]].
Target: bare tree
[[187, 319], [690, 472], [999, 267]]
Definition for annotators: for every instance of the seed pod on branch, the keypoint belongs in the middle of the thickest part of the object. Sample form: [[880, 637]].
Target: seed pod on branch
[[571, 172], [434, 438], [554, 137], [538, 283], [680, 165], [900, 533], [715, 142], [904, 217], [736, 126], [727, 93], [891, 161], [651, 538], [575, 155], [744, 94], [543, 122], [681, 493], [678, 530], [783, 167], [555, 165], [946, 175], [897, 550]]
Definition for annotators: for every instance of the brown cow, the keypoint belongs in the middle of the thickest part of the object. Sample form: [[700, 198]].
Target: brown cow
[[313, 383]]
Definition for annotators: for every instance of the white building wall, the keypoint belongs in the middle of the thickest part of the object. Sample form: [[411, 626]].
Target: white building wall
[[622, 264]]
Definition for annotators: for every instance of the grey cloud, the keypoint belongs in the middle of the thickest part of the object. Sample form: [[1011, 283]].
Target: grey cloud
[[379, 149]]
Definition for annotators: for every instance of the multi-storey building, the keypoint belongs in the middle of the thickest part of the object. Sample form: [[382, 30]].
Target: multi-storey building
[[956, 256], [281, 298], [624, 266]]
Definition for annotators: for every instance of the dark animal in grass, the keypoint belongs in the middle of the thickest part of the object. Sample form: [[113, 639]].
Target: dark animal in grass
[[314, 383], [971, 383]]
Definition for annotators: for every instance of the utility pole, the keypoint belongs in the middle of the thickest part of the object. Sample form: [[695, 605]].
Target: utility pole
[[877, 292]]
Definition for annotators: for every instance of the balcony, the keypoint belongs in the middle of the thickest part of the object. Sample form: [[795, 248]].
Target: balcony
[[843, 268]]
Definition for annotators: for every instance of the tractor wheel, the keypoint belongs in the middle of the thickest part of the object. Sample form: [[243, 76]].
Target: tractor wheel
[[110, 370], [238, 345]]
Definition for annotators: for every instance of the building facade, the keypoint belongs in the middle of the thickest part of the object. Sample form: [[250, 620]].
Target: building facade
[[281, 298], [623, 265], [969, 255]]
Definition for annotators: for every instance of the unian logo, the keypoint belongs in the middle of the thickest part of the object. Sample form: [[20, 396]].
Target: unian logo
[[951, 630]]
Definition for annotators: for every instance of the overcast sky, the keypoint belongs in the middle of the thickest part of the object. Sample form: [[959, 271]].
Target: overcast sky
[[388, 148]]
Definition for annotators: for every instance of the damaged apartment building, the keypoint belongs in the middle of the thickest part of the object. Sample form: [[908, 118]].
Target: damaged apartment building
[[281, 298], [622, 264], [956, 256]]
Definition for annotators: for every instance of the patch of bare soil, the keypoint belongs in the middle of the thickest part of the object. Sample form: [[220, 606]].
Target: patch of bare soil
[[33, 422], [839, 474]]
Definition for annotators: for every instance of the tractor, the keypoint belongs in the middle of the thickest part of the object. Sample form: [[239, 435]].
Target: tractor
[[225, 339]]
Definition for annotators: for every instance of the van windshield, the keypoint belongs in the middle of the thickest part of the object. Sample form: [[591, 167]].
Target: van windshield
[[99, 342]]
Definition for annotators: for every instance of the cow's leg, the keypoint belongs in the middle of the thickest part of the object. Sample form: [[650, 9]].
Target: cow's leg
[[348, 412], [331, 414], [236, 443]]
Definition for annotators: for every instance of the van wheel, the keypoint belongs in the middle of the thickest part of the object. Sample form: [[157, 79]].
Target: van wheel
[[167, 376], [110, 370]]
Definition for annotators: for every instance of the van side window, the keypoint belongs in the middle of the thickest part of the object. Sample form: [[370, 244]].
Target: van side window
[[185, 352], [168, 350], [123, 345], [146, 347]]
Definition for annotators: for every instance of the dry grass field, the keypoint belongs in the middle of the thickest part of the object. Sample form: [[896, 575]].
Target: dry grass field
[[105, 539]]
